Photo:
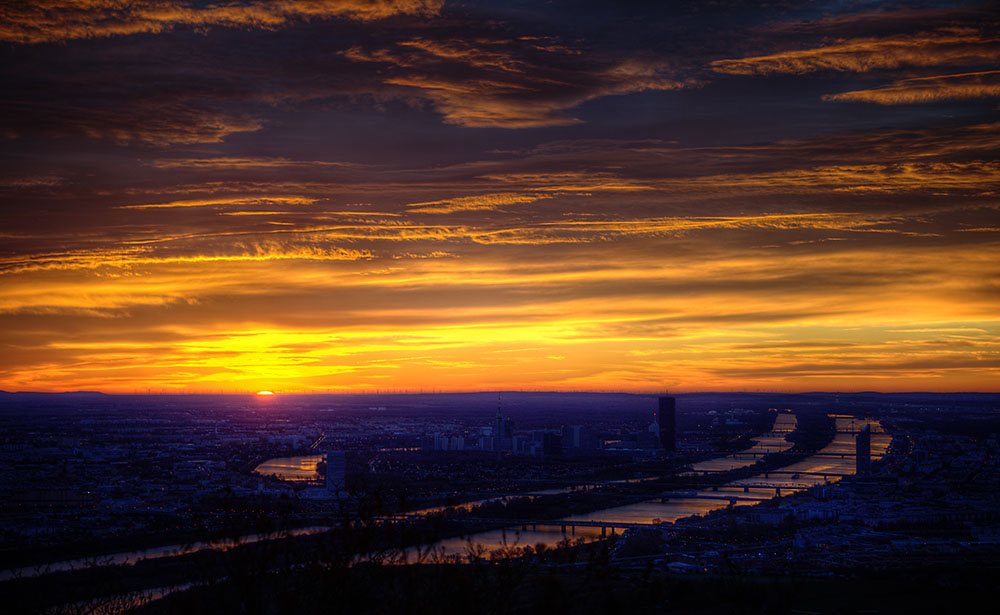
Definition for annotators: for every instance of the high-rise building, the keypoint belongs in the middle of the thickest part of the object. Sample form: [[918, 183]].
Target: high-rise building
[[336, 471], [579, 437], [666, 418], [503, 431], [507, 429], [863, 451]]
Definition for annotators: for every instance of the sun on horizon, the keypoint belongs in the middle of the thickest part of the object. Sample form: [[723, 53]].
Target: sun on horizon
[[481, 199]]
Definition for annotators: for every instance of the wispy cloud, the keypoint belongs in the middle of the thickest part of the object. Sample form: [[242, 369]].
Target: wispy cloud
[[227, 202], [606, 229], [34, 181], [127, 257], [476, 203], [60, 20], [344, 194], [572, 181], [866, 178], [944, 48], [233, 163], [174, 120], [928, 89], [511, 83]]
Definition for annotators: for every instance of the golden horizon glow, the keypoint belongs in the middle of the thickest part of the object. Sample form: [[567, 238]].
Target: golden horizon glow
[[434, 198]]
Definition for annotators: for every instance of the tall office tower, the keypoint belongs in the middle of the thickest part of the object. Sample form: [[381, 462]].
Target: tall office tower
[[336, 471], [498, 429], [578, 437], [863, 451], [571, 436], [582, 437], [666, 418]]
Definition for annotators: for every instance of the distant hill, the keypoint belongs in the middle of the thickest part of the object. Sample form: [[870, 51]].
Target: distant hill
[[42, 394]]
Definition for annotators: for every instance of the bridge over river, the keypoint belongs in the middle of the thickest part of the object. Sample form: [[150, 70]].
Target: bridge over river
[[833, 462]]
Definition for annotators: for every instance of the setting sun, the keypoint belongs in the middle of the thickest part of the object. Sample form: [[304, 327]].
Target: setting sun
[[808, 216], [265, 393]]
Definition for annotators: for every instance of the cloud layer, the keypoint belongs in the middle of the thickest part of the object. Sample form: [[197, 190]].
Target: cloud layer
[[309, 196], [61, 20], [929, 89], [511, 83], [951, 47]]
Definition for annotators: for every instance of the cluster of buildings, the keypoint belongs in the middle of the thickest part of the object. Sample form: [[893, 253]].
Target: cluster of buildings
[[121, 468], [115, 472], [933, 499], [501, 437]]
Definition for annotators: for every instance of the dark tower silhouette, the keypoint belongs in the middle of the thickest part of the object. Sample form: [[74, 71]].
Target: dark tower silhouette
[[498, 430], [666, 418], [863, 452], [503, 431]]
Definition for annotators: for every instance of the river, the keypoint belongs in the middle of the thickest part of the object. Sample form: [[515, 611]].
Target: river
[[291, 468], [132, 557], [836, 459]]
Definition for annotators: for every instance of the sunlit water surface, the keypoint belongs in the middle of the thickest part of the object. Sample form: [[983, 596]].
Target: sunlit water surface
[[291, 468], [837, 458]]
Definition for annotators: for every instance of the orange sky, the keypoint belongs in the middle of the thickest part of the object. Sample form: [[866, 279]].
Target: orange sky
[[431, 197]]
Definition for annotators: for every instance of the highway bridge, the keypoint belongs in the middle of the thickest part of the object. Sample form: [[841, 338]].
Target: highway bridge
[[749, 454], [566, 526], [769, 473]]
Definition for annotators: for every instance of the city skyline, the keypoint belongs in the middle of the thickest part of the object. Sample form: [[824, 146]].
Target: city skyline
[[342, 196]]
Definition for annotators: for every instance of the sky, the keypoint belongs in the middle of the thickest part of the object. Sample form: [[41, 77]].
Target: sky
[[353, 195]]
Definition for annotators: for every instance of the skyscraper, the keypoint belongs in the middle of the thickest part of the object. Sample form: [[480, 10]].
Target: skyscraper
[[579, 437], [503, 431], [666, 418], [863, 451]]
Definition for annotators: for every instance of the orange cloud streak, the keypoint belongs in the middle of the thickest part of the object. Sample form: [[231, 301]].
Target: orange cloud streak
[[273, 200], [964, 46], [60, 20], [928, 89]]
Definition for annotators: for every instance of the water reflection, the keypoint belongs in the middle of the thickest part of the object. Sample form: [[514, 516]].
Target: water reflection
[[132, 557], [291, 468], [827, 465], [460, 548], [835, 459], [772, 442]]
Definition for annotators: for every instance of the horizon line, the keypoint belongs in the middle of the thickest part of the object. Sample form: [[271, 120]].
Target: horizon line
[[278, 393]]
